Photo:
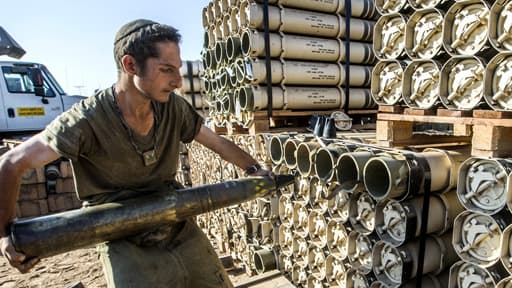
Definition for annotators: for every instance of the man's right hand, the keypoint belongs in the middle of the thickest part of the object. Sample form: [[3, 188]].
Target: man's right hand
[[16, 259]]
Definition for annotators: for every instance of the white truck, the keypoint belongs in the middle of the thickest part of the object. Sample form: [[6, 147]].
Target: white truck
[[30, 97]]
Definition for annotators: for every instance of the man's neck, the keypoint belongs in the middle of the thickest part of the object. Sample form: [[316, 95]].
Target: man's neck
[[132, 103], [136, 109]]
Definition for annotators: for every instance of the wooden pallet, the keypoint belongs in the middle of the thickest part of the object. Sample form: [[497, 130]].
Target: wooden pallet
[[285, 121], [281, 119], [489, 132]]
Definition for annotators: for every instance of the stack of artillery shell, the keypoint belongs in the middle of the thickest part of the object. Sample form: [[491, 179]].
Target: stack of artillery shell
[[481, 235], [248, 232], [192, 84], [307, 52], [391, 212], [454, 54], [354, 214]]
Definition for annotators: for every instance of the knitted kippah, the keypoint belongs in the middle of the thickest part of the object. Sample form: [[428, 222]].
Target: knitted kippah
[[131, 27]]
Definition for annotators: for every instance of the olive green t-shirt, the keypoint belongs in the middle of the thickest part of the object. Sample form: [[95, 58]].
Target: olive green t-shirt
[[102, 154]]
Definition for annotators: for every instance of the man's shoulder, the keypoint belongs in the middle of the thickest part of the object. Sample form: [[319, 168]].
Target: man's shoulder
[[102, 96], [89, 110], [92, 103]]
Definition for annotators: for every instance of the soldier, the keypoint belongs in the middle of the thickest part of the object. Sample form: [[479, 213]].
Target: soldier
[[123, 142]]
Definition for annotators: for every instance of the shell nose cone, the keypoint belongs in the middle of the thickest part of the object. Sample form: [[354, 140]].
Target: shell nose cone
[[283, 180]]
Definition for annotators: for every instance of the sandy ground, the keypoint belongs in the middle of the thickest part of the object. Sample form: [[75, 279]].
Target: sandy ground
[[59, 271], [62, 271]]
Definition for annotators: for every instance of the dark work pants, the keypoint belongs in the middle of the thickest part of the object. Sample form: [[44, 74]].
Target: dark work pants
[[189, 260]]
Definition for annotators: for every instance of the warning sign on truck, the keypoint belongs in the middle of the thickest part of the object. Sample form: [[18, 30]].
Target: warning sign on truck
[[30, 111]]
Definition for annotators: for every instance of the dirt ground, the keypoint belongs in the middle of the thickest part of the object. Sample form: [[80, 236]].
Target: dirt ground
[[60, 271]]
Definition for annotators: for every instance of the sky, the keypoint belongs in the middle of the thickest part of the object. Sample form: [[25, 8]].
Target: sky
[[74, 38]]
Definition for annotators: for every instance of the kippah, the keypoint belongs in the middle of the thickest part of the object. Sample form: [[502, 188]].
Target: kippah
[[131, 27]]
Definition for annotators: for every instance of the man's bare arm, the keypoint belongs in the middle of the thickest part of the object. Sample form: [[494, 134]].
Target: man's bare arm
[[32, 153], [226, 149]]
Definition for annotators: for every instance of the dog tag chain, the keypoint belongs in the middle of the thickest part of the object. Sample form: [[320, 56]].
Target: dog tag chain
[[150, 156]]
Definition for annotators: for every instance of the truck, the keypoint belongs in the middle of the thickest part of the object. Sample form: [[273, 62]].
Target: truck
[[30, 97]]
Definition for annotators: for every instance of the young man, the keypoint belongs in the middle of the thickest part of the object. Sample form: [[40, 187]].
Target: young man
[[123, 142]]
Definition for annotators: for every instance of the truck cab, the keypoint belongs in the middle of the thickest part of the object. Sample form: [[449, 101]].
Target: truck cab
[[23, 107], [30, 97]]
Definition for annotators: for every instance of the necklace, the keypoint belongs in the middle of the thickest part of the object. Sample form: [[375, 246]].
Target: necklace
[[149, 157]]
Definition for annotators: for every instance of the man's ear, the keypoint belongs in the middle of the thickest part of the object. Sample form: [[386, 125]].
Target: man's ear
[[129, 65]]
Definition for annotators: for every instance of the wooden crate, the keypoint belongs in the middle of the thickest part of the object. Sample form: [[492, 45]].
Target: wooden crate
[[489, 132], [62, 202], [31, 208], [36, 199]]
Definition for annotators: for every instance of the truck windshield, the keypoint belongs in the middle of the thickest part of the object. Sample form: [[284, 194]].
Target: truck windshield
[[52, 80]]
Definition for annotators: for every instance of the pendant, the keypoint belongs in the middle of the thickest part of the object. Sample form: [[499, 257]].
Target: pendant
[[149, 157]]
